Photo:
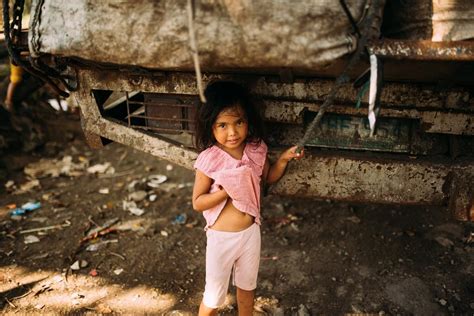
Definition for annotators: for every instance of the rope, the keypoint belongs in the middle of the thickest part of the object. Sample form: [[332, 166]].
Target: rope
[[194, 51], [343, 77], [14, 54]]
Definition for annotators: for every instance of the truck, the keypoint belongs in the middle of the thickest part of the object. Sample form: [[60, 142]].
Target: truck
[[394, 79]]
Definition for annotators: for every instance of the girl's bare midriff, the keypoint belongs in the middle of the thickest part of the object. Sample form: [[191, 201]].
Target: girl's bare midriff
[[231, 219]]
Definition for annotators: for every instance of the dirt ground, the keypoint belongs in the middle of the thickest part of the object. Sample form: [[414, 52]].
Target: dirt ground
[[319, 257]]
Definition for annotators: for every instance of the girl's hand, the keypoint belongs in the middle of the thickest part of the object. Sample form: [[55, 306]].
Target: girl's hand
[[291, 154]]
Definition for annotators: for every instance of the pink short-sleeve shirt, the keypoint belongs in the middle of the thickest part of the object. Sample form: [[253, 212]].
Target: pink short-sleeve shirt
[[239, 178]]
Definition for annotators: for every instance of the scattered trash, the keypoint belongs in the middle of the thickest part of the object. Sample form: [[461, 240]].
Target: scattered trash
[[137, 196], [180, 219], [104, 191], [79, 264], [93, 272], [31, 239], [118, 271], [117, 255], [164, 233], [152, 197], [100, 244], [10, 185], [100, 230], [169, 167], [132, 208], [25, 208], [102, 168], [28, 186], [154, 181], [39, 229], [135, 225], [54, 168]]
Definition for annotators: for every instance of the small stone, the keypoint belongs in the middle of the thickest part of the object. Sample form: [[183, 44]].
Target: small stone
[[164, 233], [169, 167], [443, 302]]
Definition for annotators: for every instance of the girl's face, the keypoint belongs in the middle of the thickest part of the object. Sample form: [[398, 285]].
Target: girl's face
[[231, 128]]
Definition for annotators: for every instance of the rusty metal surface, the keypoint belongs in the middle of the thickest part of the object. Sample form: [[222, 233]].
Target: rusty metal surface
[[393, 94], [432, 106], [365, 180], [424, 50], [94, 123], [432, 121]]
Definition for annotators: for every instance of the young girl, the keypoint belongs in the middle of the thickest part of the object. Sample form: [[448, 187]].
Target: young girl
[[227, 188]]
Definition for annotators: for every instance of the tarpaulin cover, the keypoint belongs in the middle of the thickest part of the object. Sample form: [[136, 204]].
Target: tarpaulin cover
[[230, 34]]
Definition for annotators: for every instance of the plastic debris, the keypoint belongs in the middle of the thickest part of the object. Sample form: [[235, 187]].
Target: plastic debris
[[164, 233], [79, 264], [28, 186], [154, 181], [118, 271], [93, 272], [25, 208], [104, 191], [180, 219], [102, 168], [10, 185], [152, 197], [132, 208], [40, 229], [54, 168], [100, 230], [31, 239], [100, 244]]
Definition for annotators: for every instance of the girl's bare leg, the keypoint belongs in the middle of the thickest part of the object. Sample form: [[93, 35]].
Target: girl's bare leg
[[207, 311], [245, 302]]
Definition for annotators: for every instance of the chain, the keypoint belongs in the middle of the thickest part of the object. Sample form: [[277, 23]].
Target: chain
[[17, 18]]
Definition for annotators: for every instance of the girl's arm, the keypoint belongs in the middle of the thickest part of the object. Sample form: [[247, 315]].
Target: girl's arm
[[276, 171], [202, 199]]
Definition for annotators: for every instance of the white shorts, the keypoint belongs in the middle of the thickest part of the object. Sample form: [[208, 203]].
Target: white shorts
[[227, 251]]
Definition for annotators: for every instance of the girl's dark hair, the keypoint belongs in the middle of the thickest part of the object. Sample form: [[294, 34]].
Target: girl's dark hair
[[222, 95]]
